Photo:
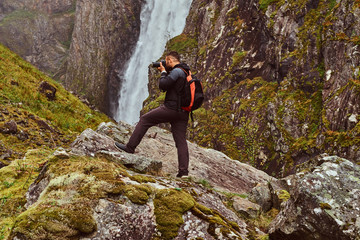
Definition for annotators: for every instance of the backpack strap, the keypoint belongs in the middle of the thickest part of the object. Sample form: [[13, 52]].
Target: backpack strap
[[179, 96], [188, 75]]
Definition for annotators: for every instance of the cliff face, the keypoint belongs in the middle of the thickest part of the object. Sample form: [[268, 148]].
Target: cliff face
[[104, 34], [282, 76], [39, 31], [84, 44]]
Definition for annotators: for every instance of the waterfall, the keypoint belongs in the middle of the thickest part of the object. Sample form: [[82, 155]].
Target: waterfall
[[160, 21]]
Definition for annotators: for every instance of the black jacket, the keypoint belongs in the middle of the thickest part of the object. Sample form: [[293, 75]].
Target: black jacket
[[173, 83]]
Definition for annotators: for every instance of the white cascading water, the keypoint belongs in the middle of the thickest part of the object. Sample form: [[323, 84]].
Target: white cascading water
[[160, 21]]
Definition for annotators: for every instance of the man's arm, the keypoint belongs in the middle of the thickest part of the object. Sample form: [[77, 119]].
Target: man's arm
[[166, 81]]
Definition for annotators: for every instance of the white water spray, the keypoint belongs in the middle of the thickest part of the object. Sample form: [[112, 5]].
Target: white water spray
[[160, 21]]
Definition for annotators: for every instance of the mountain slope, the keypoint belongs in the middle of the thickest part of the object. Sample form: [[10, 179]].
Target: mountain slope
[[29, 117]]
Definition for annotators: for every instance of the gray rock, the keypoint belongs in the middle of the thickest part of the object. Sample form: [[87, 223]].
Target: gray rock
[[208, 165], [37, 187], [123, 221], [324, 203], [119, 132], [91, 143], [245, 207], [61, 153], [104, 35], [10, 127], [38, 31], [140, 163], [261, 195]]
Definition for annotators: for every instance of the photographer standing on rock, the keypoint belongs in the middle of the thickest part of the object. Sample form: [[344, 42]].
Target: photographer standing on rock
[[173, 84]]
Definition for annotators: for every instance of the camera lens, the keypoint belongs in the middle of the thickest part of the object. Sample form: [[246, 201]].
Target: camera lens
[[157, 64]]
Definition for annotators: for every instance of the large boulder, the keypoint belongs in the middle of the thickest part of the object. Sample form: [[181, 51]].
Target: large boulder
[[207, 165], [91, 143], [89, 198], [324, 203]]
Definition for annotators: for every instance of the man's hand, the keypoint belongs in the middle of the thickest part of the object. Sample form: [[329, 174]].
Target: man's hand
[[161, 68]]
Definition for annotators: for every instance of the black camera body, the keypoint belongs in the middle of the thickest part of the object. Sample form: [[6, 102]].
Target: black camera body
[[157, 64]]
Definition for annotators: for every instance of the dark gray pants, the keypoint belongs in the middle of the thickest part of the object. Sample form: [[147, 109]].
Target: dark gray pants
[[178, 121]]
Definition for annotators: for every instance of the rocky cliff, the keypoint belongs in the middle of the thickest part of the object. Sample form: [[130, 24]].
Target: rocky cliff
[[39, 31], [282, 76], [104, 35], [84, 44], [90, 190]]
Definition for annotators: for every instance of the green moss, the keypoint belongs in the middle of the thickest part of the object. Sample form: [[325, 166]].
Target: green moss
[[142, 179], [283, 195], [261, 222], [215, 219], [42, 222], [67, 115], [202, 50], [16, 179], [138, 194], [182, 44], [225, 126], [203, 209], [265, 3], [5, 226], [237, 58], [64, 209], [216, 16], [170, 205], [325, 206], [155, 103], [99, 176]]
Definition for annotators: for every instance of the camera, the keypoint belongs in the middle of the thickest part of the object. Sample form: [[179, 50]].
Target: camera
[[157, 64]]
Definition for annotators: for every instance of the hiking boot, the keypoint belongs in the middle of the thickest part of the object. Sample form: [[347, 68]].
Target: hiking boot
[[123, 147], [182, 174]]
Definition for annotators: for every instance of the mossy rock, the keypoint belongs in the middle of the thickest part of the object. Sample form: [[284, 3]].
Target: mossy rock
[[42, 222], [170, 205], [325, 206], [138, 194], [142, 179], [215, 220], [283, 195]]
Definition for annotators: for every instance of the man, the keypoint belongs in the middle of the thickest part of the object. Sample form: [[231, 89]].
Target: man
[[173, 83]]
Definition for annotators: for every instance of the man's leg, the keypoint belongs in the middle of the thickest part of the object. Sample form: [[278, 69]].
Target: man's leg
[[156, 116], [178, 129]]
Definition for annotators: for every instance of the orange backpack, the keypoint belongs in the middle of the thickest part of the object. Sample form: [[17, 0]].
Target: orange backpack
[[193, 94]]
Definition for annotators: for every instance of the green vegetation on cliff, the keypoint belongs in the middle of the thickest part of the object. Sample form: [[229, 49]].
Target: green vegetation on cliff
[[58, 120]]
